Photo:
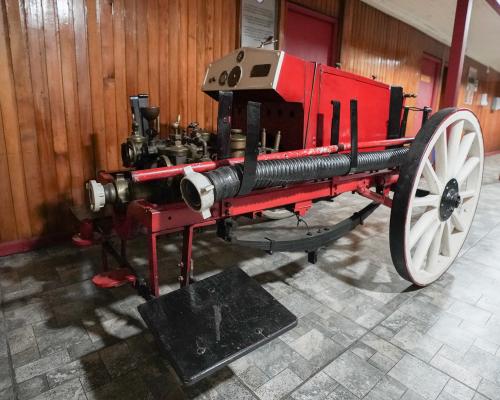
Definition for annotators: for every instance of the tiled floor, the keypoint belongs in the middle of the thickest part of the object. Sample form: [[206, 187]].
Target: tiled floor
[[363, 332]]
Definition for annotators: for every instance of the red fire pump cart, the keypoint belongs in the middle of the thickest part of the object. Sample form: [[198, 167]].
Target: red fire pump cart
[[326, 132]]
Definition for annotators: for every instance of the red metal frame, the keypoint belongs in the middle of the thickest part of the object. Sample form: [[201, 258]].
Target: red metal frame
[[164, 219]]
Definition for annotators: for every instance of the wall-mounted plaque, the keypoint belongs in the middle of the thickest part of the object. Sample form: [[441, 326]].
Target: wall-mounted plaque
[[258, 23]]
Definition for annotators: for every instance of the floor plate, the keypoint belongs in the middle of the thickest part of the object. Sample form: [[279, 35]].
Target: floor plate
[[213, 322]]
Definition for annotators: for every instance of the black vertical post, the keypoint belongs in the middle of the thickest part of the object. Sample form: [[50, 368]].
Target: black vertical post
[[251, 148], [402, 130], [425, 114], [334, 132], [224, 124], [354, 134]]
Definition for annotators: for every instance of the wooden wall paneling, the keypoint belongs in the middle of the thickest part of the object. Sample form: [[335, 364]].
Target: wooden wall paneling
[[56, 96], [201, 60], [209, 56], [131, 54], [26, 119], [96, 85], [70, 96], [182, 59], [123, 127], [109, 84], [41, 104], [8, 225], [164, 79], [142, 46], [192, 59], [153, 51], [173, 59], [83, 87], [9, 112]]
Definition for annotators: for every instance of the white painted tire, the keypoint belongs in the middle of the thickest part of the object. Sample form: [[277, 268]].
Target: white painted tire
[[446, 162]]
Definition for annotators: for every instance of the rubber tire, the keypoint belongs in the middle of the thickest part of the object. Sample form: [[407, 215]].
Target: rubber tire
[[402, 193]]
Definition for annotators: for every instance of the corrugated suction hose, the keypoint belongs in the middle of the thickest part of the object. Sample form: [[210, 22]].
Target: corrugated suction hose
[[226, 181], [271, 173]]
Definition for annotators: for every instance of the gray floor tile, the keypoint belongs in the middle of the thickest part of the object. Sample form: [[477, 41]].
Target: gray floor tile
[[341, 393], [387, 389], [458, 390], [419, 377], [41, 366], [71, 390], [354, 373], [278, 386], [32, 387], [316, 388]]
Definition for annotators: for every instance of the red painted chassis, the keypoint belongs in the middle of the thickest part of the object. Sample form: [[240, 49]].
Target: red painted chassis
[[177, 217]]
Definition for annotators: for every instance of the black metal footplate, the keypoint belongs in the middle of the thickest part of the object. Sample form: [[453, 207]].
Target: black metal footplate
[[210, 323]]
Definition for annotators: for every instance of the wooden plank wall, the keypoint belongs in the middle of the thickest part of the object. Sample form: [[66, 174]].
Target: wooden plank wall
[[67, 68]]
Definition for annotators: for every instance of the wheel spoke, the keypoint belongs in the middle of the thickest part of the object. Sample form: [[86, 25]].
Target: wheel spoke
[[446, 239], [463, 151], [467, 168], [454, 143], [432, 256], [423, 223], [433, 182], [423, 246], [457, 220], [441, 157], [467, 194], [431, 200]]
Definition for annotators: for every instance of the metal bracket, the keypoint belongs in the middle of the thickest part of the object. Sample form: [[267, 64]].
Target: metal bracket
[[251, 148], [224, 124]]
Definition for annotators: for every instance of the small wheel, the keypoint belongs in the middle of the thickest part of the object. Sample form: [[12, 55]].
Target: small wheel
[[436, 195]]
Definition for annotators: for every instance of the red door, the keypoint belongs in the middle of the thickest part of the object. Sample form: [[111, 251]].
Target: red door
[[427, 88], [310, 35]]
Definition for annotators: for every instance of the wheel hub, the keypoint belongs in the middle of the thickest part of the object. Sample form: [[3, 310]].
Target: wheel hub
[[450, 200]]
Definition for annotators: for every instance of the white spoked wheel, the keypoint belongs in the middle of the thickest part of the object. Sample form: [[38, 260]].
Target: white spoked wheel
[[436, 196]]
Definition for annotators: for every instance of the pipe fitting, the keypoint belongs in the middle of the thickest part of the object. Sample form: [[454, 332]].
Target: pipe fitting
[[198, 192], [97, 195]]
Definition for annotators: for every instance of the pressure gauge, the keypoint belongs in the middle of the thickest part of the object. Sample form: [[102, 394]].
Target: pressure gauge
[[234, 76], [223, 78]]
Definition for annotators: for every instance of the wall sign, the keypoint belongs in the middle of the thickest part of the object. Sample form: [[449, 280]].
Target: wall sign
[[472, 86], [258, 23]]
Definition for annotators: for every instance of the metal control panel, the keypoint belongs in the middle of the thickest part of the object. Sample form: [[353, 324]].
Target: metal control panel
[[244, 69]]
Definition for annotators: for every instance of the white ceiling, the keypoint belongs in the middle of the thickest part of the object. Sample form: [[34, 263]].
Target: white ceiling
[[436, 17]]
